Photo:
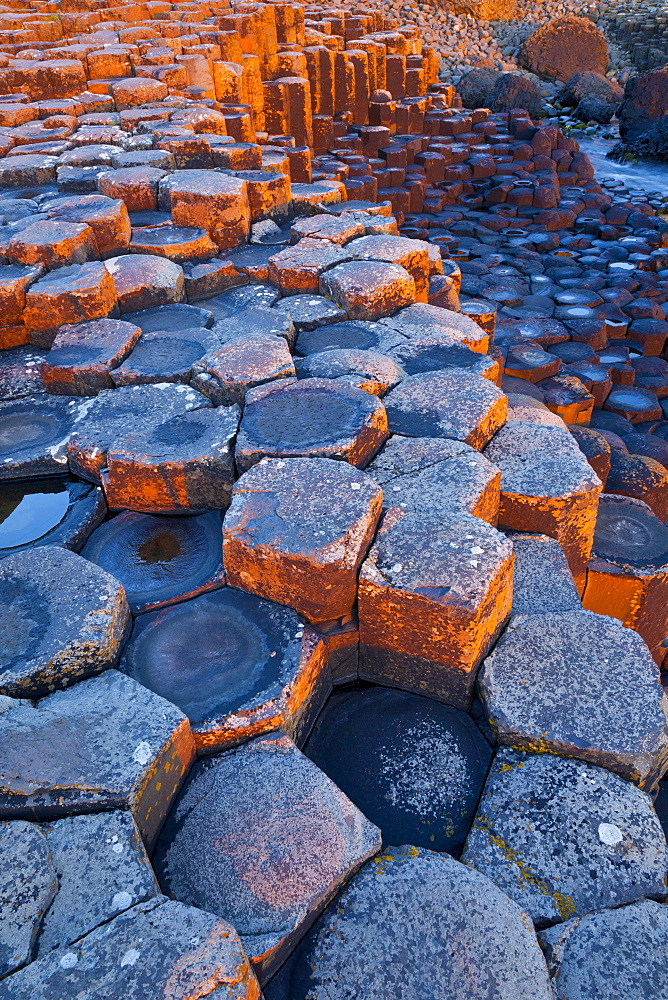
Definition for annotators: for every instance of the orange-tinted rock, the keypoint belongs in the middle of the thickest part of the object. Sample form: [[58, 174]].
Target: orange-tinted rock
[[228, 372], [213, 201], [68, 295], [565, 46], [82, 355], [297, 531], [627, 575], [297, 269], [142, 281], [107, 217], [547, 486], [434, 594], [413, 255], [368, 290], [137, 187], [53, 244], [176, 465]]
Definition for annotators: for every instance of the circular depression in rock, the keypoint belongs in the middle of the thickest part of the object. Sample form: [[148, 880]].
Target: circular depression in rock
[[213, 654], [30, 509], [413, 766], [158, 559]]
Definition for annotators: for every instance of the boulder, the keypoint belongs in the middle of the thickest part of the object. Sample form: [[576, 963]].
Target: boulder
[[590, 84], [565, 46], [652, 144], [593, 109], [645, 102], [512, 90]]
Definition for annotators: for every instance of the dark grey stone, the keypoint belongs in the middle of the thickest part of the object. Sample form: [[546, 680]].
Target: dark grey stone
[[370, 371], [357, 335], [311, 418], [235, 300], [563, 838], [448, 403], [34, 433], [261, 837], [256, 322], [174, 317], [20, 372], [429, 474], [414, 767], [616, 954], [164, 356], [160, 948], [102, 870], [416, 925], [308, 312], [51, 511], [107, 743], [28, 885], [579, 684], [61, 619], [422, 320], [543, 581]]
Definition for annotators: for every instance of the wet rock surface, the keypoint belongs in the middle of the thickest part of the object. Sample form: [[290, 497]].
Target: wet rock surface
[[254, 666], [414, 767]]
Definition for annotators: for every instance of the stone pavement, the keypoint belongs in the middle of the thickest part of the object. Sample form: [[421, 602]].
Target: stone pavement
[[333, 490]]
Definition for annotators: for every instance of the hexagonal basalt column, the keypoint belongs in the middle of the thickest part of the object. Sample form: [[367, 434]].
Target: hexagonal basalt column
[[160, 560], [102, 870], [368, 289], [422, 320], [428, 474], [72, 294], [297, 531], [314, 418], [421, 919], [450, 403], [213, 200], [547, 486], [227, 373], [29, 886], [616, 954], [542, 581], [297, 269], [184, 463], [434, 592], [157, 947], [254, 666], [627, 574], [62, 619], [82, 356], [375, 373], [34, 435], [544, 823], [113, 414], [415, 767], [104, 744], [264, 839], [413, 255], [142, 281], [581, 685]]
